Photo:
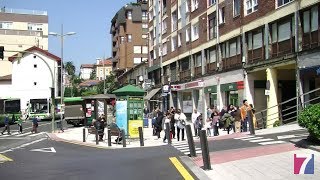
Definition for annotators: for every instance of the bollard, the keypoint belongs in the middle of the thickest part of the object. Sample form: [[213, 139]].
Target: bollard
[[141, 136], [251, 125], [168, 133], [190, 141], [109, 137], [205, 150], [84, 134], [123, 133], [97, 140]]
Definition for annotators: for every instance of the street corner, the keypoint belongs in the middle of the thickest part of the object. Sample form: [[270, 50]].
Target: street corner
[[183, 168], [4, 159]]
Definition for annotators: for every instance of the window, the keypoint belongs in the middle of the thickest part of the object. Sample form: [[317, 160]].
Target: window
[[164, 26], [122, 39], [129, 14], [144, 15], [310, 20], [212, 55], [164, 49], [144, 26], [179, 12], [174, 21], [35, 66], [144, 49], [284, 31], [34, 27], [188, 34], [129, 37], [5, 25], [231, 48], [212, 2], [283, 2], [195, 32], [251, 6], [187, 6], [137, 49], [212, 26], [150, 14], [144, 36], [194, 5], [173, 43], [236, 8], [179, 39], [255, 41], [221, 16], [198, 60], [137, 60]]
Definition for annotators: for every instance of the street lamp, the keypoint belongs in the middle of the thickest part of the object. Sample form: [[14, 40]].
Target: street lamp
[[61, 36]]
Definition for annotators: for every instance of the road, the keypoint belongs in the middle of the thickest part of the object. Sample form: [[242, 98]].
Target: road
[[78, 162]]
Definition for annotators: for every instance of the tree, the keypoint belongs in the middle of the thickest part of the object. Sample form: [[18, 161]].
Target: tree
[[70, 68], [93, 74], [111, 84]]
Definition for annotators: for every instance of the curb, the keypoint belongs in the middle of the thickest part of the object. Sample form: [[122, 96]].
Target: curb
[[195, 170], [303, 143]]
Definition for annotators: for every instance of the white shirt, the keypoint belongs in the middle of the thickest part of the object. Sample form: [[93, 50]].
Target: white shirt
[[194, 116]]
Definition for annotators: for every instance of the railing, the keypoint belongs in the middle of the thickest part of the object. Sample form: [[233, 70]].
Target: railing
[[311, 40], [20, 32], [23, 11], [198, 71], [185, 75], [211, 67], [285, 112]]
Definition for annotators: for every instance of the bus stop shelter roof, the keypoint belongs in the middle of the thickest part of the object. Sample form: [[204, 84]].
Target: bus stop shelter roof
[[100, 96], [129, 90]]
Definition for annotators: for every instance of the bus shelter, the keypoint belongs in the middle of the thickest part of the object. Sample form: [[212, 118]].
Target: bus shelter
[[129, 109]]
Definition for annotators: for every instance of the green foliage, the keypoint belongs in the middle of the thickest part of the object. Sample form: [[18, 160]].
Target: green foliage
[[93, 74], [71, 92], [111, 84], [276, 123], [70, 68], [310, 119], [89, 92]]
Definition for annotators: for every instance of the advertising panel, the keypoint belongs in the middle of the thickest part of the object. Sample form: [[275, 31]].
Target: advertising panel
[[133, 128], [121, 115]]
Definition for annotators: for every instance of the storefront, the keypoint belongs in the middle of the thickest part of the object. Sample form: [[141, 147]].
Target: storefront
[[211, 93], [232, 93]]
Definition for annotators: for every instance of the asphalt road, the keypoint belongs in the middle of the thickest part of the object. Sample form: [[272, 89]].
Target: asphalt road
[[78, 162]]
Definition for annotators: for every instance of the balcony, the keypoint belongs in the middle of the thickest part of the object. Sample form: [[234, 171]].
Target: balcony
[[283, 48], [311, 40], [198, 71], [185, 75], [21, 32], [211, 67], [256, 55], [23, 11], [233, 62]]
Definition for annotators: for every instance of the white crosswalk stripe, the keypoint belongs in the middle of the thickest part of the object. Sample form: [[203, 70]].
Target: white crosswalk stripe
[[183, 147], [18, 135], [253, 138], [262, 140], [272, 142]]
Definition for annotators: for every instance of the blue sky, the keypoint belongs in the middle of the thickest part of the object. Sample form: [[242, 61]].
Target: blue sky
[[89, 19]]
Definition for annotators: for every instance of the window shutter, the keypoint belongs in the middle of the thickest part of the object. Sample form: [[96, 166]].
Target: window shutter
[[314, 19], [257, 41], [306, 21], [284, 31]]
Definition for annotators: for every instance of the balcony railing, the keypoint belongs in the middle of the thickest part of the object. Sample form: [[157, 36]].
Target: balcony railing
[[311, 40], [23, 11], [185, 75], [212, 67], [283, 48], [198, 71], [255, 55], [232, 62], [20, 32]]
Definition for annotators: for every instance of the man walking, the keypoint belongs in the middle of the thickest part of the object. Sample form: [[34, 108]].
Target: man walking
[[244, 115], [194, 117], [7, 125], [34, 125]]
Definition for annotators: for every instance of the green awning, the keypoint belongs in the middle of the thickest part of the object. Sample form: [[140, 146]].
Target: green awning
[[129, 90], [72, 99], [210, 89]]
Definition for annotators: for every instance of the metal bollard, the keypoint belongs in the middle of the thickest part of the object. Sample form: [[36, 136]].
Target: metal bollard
[[205, 150], [97, 140], [251, 125], [123, 133], [109, 137], [168, 133], [141, 136], [84, 134], [192, 148]]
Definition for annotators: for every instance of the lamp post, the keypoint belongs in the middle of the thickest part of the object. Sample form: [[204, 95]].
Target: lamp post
[[61, 36]]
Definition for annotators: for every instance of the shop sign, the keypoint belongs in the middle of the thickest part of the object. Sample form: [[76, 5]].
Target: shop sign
[[232, 86], [194, 84], [210, 89]]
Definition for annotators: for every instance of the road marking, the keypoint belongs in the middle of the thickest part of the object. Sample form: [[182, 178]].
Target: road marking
[[50, 149], [23, 134], [272, 142], [5, 158], [180, 148], [182, 170], [261, 140], [197, 152], [37, 134], [253, 138], [186, 150], [6, 135], [243, 137], [13, 138], [185, 145], [38, 126], [179, 143], [292, 136]]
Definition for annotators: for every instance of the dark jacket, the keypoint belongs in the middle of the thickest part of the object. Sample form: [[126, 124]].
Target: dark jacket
[[159, 119]]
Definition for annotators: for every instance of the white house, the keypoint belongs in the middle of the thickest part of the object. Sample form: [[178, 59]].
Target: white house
[[33, 76], [85, 71]]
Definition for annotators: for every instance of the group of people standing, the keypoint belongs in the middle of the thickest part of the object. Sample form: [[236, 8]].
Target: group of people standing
[[229, 118]]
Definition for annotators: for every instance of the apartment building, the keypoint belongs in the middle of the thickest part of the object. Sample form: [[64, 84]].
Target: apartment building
[[129, 30], [19, 30], [86, 70], [103, 68], [216, 53]]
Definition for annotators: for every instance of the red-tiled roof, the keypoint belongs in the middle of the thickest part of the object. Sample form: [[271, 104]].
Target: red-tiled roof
[[87, 66], [34, 48], [89, 83], [107, 62]]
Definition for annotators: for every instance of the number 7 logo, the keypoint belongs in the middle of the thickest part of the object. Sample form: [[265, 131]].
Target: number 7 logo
[[303, 163]]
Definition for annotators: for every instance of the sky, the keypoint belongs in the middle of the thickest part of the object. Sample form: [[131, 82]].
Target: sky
[[91, 20]]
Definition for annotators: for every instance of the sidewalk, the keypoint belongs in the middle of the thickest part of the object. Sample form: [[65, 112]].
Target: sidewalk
[[267, 162]]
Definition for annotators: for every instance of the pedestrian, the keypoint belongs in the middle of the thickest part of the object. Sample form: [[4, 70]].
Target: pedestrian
[[215, 122], [167, 119], [194, 117], [99, 127], [237, 120], [158, 124], [254, 119], [173, 124], [34, 125], [20, 124], [181, 123], [244, 115], [7, 125], [199, 124], [227, 120]]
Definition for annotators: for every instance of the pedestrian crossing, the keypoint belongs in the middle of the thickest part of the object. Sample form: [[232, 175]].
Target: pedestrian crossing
[[16, 134], [183, 147], [269, 141]]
